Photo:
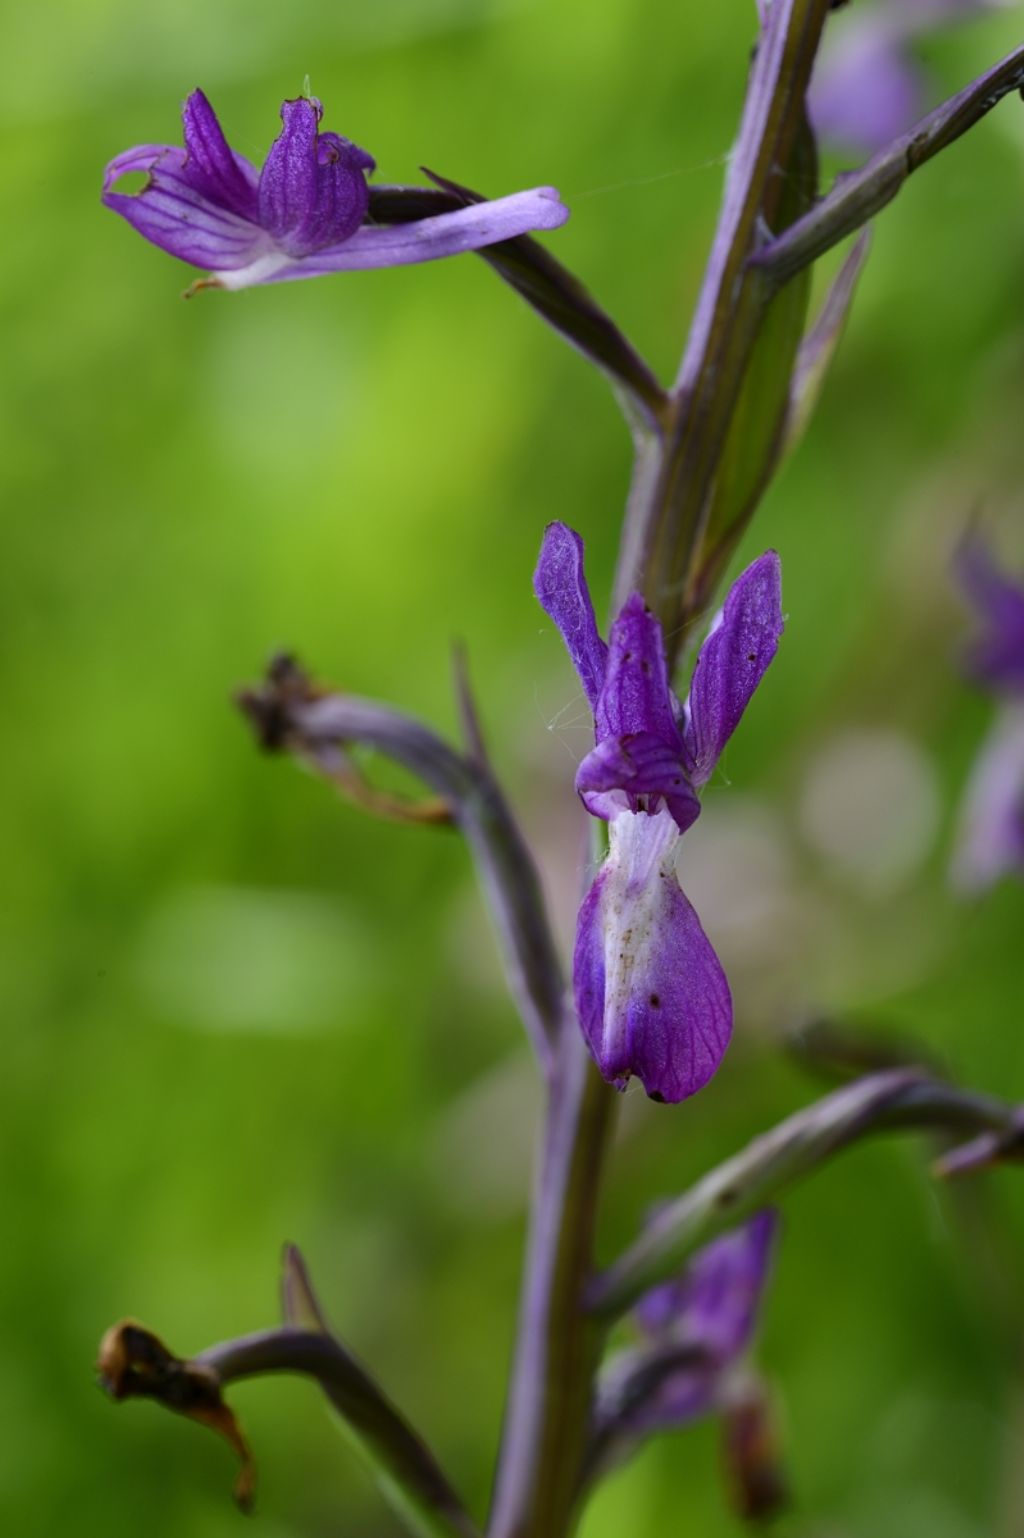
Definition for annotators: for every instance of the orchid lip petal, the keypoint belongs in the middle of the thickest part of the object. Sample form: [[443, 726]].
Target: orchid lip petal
[[422, 240], [651, 995]]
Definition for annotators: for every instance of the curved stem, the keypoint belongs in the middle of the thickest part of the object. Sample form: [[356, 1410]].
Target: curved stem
[[901, 1099], [400, 1461], [317, 727]]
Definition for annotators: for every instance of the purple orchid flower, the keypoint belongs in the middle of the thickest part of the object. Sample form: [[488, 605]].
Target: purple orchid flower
[[991, 842], [303, 215], [650, 992], [696, 1331]]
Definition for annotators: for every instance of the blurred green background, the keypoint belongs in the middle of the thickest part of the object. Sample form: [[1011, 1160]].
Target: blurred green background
[[237, 1012]]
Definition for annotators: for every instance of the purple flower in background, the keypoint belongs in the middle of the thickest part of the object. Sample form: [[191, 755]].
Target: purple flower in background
[[696, 1331], [650, 992], [302, 215], [867, 87], [992, 821]]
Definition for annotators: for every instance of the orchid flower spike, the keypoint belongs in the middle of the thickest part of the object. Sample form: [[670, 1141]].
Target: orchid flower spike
[[303, 215], [651, 995]]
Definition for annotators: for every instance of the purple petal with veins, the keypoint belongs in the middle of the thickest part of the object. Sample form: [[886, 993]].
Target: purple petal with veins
[[313, 191], [212, 167], [732, 662], [301, 217], [652, 998], [636, 696], [424, 240], [620, 769], [561, 588], [175, 215]]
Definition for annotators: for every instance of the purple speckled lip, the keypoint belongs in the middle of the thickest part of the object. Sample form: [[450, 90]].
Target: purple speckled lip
[[303, 215]]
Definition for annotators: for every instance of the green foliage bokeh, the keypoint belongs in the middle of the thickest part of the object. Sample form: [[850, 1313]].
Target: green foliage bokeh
[[235, 1011]]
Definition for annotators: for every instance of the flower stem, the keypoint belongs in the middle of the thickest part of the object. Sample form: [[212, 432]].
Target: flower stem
[[662, 544], [548, 1410]]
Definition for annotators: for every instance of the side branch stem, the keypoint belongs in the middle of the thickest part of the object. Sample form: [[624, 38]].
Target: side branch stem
[[858, 195], [897, 1099], [398, 1456]]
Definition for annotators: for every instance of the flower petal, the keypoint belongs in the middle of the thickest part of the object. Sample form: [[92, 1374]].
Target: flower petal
[[997, 656], [732, 661], [212, 167], [638, 764], [561, 588], [313, 190], [991, 842], [650, 992], [170, 212], [714, 1303], [711, 1309], [866, 89], [482, 224], [287, 192], [636, 696]]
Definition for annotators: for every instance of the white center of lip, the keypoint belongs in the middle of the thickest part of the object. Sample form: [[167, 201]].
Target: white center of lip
[[641, 857]]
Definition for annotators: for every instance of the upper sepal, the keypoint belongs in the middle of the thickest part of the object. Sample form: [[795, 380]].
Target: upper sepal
[[562, 592], [312, 190], [212, 166], [732, 662]]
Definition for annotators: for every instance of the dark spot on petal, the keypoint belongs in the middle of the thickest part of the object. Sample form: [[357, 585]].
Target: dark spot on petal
[[751, 656], [655, 1000], [645, 668]]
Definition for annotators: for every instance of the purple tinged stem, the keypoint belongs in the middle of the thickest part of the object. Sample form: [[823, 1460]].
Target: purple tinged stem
[[859, 195], [400, 1459], [544, 1440], [557, 1343], [669, 498], [315, 730], [903, 1099]]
